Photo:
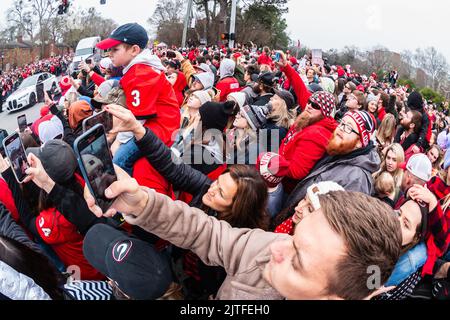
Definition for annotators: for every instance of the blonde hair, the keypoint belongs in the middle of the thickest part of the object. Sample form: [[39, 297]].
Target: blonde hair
[[385, 184], [185, 111], [282, 117], [397, 149], [265, 68], [386, 131]]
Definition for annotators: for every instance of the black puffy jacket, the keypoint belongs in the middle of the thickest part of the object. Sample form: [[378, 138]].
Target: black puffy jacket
[[182, 176]]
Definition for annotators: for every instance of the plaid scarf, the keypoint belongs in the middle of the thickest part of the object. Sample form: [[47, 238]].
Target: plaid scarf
[[438, 236]]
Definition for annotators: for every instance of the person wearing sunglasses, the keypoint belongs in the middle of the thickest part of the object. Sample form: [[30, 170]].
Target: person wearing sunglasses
[[305, 143], [350, 159]]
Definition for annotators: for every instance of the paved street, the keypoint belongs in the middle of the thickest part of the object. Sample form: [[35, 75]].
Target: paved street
[[8, 121]]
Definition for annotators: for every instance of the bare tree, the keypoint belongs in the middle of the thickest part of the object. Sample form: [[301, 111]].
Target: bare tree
[[21, 19], [433, 63], [378, 58]]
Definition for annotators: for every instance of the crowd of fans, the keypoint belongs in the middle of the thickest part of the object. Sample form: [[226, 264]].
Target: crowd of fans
[[11, 80], [242, 174]]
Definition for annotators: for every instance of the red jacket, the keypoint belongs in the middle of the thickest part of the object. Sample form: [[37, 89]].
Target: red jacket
[[7, 199], [65, 240], [302, 149], [97, 79], [226, 86], [265, 59], [150, 96], [302, 93], [179, 86]]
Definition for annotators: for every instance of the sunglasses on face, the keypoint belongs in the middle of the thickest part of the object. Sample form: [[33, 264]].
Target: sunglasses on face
[[314, 105]]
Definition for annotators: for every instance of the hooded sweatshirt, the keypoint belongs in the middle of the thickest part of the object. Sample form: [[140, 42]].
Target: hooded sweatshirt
[[227, 83], [151, 97]]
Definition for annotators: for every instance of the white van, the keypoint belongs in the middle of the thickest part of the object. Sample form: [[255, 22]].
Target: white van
[[86, 49]]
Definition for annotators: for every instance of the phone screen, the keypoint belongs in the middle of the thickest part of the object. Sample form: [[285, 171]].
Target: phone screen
[[96, 164], [104, 118], [17, 157], [22, 122]]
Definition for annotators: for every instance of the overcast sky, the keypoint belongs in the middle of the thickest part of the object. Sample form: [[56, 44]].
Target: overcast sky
[[396, 24]]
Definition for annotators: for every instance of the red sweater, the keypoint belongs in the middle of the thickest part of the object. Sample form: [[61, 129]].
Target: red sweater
[[227, 86]]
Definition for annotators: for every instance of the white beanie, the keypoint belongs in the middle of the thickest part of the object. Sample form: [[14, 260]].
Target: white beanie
[[203, 96], [239, 97], [317, 189]]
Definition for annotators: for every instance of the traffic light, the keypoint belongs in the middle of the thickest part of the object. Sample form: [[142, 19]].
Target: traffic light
[[225, 36], [63, 7]]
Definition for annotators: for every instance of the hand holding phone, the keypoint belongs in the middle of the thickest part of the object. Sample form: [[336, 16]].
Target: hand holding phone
[[95, 161], [130, 198], [15, 152]]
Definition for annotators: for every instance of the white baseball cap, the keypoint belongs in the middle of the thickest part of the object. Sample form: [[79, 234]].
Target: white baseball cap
[[420, 166]]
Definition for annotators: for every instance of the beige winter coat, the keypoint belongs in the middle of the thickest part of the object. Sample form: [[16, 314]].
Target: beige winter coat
[[242, 252]]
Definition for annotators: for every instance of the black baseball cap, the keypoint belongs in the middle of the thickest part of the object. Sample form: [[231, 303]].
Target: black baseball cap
[[58, 160], [139, 270], [130, 33]]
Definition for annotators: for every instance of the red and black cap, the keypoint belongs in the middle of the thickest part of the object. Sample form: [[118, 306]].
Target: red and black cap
[[130, 33]]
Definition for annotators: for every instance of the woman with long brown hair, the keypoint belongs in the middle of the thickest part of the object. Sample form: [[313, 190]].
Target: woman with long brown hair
[[238, 196]]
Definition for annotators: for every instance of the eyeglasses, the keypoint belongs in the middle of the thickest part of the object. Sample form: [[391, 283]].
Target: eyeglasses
[[347, 128], [314, 105], [352, 97]]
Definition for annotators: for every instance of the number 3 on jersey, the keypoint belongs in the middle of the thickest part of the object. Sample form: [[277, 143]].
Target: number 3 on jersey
[[137, 98]]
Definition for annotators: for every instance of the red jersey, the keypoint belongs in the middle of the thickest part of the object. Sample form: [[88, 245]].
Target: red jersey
[[65, 240]]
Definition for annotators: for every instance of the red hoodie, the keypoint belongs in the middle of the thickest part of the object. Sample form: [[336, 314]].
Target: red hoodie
[[304, 148], [227, 86]]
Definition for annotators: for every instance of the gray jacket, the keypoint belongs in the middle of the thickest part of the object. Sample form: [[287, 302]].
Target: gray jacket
[[353, 172]]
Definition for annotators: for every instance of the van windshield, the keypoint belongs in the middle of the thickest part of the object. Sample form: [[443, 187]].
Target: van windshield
[[84, 52]]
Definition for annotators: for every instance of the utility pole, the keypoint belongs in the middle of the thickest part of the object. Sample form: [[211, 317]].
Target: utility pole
[[232, 24], [186, 23]]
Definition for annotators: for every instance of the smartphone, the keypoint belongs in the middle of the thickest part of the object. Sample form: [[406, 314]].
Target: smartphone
[[95, 161], [22, 122], [88, 61], [277, 57], [104, 118], [15, 152]]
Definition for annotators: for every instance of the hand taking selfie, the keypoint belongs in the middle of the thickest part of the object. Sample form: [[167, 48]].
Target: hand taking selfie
[[38, 175], [283, 61], [124, 121], [131, 199], [84, 66]]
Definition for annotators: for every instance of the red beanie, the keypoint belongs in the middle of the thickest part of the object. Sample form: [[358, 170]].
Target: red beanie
[[272, 168]]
